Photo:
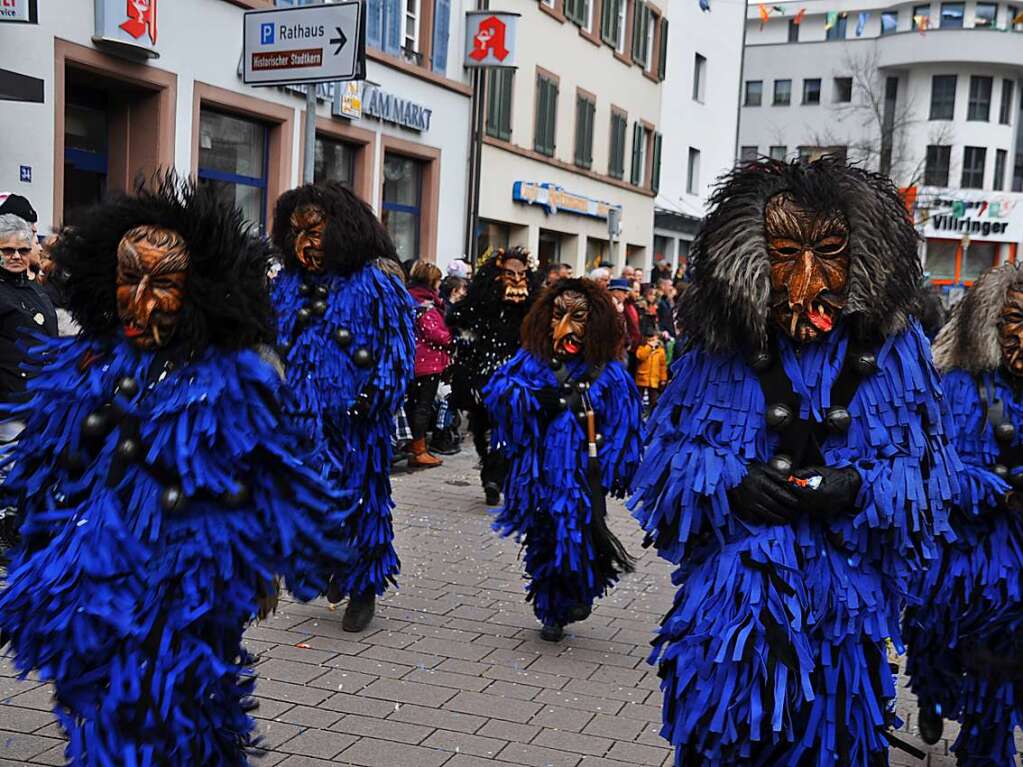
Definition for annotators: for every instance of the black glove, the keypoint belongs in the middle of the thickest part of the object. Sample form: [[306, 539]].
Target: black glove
[[550, 401], [835, 494], [764, 497]]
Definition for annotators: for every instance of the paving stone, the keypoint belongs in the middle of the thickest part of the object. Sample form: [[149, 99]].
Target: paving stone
[[370, 752], [386, 729], [289, 671], [537, 756], [409, 692], [513, 690], [637, 754], [464, 743], [493, 706], [448, 679], [342, 680], [307, 716], [584, 702], [616, 727], [560, 718], [318, 743], [435, 717], [574, 742], [523, 733]]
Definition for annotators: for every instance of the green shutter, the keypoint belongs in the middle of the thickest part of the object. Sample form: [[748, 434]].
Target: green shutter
[[637, 138], [552, 115], [507, 80], [640, 27], [493, 115], [576, 11], [608, 18], [662, 54], [580, 129], [617, 164], [539, 122], [655, 181], [591, 113]]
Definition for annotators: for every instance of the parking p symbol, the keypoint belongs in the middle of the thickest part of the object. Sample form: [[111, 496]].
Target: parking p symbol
[[266, 34]]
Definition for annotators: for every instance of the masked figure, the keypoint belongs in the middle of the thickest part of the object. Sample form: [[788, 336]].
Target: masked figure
[[965, 650], [797, 471], [566, 415], [488, 321], [345, 331], [162, 488]]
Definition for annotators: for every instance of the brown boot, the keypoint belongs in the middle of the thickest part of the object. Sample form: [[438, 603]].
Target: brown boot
[[420, 457]]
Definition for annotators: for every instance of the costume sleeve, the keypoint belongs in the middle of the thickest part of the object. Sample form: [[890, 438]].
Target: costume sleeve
[[643, 351], [620, 425], [980, 488], [702, 436], [394, 342]]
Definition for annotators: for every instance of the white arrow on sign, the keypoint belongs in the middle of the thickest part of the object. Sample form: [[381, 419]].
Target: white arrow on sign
[[306, 44]]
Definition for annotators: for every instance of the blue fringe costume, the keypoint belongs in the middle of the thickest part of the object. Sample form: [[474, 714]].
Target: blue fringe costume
[[328, 374], [774, 652], [135, 613], [547, 491], [973, 599]]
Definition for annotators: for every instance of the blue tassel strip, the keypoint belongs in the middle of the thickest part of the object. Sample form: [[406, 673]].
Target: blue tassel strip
[[547, 492], [355, 451], [135, 615]]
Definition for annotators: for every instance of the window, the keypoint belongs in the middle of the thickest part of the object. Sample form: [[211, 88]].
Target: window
[[891, 98], [976, 259], [808, 154], [546, 115], [936, 165], [441, 35], [612, 23], [411, 42], [793, 31], [943, 97], [952, 15], [812, 91], [585, 110], [693, 173], [980, 98], [889, 22], [754, 93], [639, 150], [921, 17], [402, 203], [499, 102], [578, 11], [985, 15], [616, 158], [387, 25], [335, 161], [843, 90], [941, 259], [699, 78], [86, 152], [1001, 159], [782, 93], [974, 158], [662, 53], [779, 152], [1005, 111], [1014, 18], [748, 153], [641, 33], [232, 159], [837, 31]]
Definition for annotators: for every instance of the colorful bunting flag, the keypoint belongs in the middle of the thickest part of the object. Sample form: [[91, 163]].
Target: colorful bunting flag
[[832, 20], [705, 6], [764, 13], [1018, 18], [921, 23], [779, 10], [861, 24], [799, 16]]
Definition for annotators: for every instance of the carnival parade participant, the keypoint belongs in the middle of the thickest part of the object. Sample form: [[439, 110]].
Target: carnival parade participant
[[797, 471], [566, 414], [488, 321], [161, 488], [345, 331], [964, 637]]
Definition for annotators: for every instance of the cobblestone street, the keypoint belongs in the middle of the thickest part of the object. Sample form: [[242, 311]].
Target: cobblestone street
[[452, 671]]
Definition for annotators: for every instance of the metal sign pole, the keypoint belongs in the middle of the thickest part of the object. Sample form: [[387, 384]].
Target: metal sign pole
[[477, 169], [309, 165]]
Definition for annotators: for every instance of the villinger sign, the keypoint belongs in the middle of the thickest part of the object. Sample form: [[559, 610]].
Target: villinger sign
[[306, 44]]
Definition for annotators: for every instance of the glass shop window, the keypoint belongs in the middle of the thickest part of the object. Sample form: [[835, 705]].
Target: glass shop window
[[402, 204], [233, 160]]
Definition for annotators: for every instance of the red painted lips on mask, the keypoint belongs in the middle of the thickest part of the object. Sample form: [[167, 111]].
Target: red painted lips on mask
[[568, 323]]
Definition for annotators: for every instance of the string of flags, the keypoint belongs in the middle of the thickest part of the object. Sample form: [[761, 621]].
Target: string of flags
[[921, 23]]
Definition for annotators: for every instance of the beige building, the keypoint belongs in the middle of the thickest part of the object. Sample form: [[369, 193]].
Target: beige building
[[572, 132]]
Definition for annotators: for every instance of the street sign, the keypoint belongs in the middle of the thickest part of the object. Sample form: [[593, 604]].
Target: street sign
[[19, 11], [490, 38], [306, 44]]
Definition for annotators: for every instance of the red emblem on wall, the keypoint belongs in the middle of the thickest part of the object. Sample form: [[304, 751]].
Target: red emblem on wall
[[141, 19], [490, 39]]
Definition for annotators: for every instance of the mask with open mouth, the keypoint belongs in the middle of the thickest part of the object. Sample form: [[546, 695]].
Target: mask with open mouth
[[152, 267], [809, 256], [568, 323], [1010, 332], [514, 277], [307, 225]]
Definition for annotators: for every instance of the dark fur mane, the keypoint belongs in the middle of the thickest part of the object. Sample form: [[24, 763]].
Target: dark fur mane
[[226, 300], [727, 307], [484, 298], [352, 238], [605, 334]]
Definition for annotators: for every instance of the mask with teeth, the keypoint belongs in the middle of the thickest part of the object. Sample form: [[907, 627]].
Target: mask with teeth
[[568, 323], [1010, 332], [514, 277], [152, 267], [307, 224], [809, 255]]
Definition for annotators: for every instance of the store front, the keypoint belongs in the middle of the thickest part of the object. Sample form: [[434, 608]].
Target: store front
[[233, 160], [401, 211]]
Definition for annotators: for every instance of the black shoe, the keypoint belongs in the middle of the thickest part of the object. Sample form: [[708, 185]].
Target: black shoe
[[359, 613], [445, 444], [580, 613], [931, 725], [552, 632], [335, 589], [493, 493]]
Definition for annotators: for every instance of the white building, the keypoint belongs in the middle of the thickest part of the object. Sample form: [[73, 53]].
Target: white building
[[699, 118], [926, 93], [574, 132], [88, 109]]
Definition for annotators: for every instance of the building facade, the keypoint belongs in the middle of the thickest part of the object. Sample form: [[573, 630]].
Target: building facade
[[572, 134], [928, 93], [117, 102], [699, 117]]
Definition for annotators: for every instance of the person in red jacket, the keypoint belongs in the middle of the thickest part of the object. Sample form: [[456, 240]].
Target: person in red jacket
[[433, 346]]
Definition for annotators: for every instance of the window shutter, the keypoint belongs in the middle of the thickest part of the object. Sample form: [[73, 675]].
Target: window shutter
[[552, 116], [441, 33], [662, 54], [493, 95], [655, 181], [591, 113], [637, 142], [539, 120], [608, 15], [580, 130], [393, 18], [506, 79], [637, 8], [375, 24]]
